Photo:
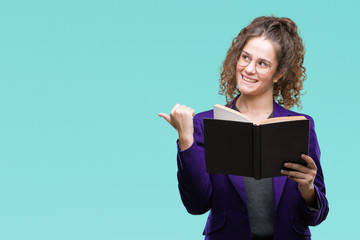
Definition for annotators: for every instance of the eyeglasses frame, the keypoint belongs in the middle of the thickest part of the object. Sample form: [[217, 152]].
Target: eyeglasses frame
[[256, 61]]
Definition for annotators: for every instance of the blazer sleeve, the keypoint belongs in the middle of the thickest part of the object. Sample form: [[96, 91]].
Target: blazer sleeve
[[313, 217], [194, 182]]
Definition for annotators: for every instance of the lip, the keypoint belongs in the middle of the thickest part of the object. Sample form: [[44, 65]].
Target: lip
[[242, 76]]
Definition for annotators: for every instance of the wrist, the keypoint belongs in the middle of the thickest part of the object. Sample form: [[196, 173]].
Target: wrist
[[308, 194], [185, 141]]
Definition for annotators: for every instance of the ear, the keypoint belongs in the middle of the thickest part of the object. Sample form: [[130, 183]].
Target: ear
[[280, 73]]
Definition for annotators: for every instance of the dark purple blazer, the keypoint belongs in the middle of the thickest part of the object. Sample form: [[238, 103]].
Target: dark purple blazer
[[225, 194]]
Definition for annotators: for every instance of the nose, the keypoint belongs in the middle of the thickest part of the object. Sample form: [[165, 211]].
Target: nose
[[251, 67]]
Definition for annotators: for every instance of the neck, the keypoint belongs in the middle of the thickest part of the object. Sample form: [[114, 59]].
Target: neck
[[255, 105]]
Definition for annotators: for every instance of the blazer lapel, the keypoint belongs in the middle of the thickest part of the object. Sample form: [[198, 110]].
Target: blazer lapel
[[279, 111], [238, 182], [278, 187]]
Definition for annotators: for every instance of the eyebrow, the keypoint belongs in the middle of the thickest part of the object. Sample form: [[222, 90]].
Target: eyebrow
[[262, 59]]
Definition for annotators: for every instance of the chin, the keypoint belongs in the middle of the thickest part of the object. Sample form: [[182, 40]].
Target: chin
[[245, 90]]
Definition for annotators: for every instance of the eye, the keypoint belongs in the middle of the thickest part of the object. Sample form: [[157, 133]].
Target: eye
[[245, 57], [264, 64]]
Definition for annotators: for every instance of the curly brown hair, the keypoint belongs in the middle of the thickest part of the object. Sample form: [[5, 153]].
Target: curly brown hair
[[282, 32]]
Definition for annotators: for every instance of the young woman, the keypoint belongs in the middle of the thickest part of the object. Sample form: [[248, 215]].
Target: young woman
[[263, 69]]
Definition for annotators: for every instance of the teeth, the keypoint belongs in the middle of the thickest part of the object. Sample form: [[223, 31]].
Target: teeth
[[248, 80]]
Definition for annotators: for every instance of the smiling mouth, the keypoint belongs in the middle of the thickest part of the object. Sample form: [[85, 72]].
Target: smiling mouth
[[248, 79]]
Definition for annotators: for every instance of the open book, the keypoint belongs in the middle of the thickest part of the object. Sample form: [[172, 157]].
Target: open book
[[234, 144]]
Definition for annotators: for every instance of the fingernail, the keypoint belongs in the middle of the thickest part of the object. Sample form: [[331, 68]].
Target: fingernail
[[282, 171], [286, 164]]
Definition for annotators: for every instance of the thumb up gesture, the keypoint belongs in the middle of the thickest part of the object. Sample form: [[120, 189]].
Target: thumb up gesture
[[181, 118]]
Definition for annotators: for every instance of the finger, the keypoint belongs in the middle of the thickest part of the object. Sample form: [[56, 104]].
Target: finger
[[303, 179], [174, 108], [298, 167], [309, 161], [190, 111], [298, 180], [183, 110], [193, 112], [165, 116], [295, 174]]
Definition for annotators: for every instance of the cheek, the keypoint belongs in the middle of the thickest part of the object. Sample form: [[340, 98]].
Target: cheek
[[239, 69]]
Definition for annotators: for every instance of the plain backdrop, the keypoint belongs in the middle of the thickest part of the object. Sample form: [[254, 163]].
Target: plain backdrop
[[83, 154]]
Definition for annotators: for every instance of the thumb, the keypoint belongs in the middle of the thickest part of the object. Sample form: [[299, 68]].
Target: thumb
[[165, 116]]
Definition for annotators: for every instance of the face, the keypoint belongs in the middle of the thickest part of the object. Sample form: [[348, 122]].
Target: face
[[249, 81]]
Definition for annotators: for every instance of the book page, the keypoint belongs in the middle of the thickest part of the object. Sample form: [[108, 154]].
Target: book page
[[283, 119], [224, 113]]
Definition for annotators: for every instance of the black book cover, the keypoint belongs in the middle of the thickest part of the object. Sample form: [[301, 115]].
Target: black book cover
[[259, 151]]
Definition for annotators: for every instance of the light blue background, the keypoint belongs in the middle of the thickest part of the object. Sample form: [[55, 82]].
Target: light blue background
[[83, 154]]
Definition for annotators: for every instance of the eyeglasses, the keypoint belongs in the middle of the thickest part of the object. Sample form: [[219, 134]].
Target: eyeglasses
[[262, 66]]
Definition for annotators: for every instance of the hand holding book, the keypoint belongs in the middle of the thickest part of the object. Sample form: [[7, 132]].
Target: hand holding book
[[305, 176]]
